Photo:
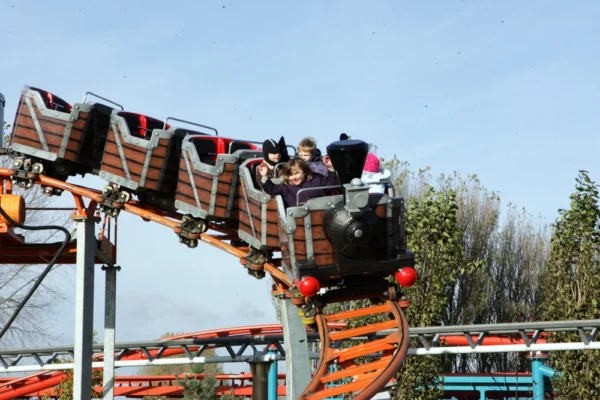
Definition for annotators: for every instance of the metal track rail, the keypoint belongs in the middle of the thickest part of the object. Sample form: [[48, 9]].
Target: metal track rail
[[244, 344], [249, 342], [344, 370]]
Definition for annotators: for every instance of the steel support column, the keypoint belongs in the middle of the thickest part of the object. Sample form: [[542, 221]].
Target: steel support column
[[297, 365], [538, 378], [110, 308], [273, 376], [260, 382], [84, 307], [539, 371]]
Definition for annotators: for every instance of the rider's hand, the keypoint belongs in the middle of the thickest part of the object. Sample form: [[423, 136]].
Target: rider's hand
[[327, 162], [263, 170]]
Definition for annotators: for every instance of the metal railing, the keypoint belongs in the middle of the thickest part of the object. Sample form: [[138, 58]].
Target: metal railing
[[190, 123], [304, 190], [255, 347], [102, 98]]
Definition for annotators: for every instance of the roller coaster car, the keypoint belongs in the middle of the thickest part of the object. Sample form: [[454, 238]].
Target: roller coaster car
[[57, 138], [140, 155], [344, 237], [207, 187], [258, 211]]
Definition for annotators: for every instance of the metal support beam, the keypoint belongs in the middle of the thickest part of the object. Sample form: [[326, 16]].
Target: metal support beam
[[84, 307], [260, 382], [297, 364], [538, 386], [110, 308], [273, 376]]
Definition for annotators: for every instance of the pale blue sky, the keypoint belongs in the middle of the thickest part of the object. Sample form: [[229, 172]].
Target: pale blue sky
[[507, 90]]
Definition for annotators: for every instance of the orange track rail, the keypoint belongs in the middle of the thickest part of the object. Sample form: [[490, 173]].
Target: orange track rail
[[11, 388], [168, 385], [364, 379]]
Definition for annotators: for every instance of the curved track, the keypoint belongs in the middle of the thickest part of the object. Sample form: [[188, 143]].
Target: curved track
[[11, 388], [366, 366], [361, 368]]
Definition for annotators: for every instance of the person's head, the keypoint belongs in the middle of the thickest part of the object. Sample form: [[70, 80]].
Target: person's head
[[307, 148], [296, 172], [271, 152], [371, 163]]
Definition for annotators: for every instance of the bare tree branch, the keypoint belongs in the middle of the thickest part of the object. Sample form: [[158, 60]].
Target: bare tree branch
[[32, 324]]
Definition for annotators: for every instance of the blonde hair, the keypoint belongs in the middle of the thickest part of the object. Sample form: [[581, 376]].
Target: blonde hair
[[308, 144], [290, 166]]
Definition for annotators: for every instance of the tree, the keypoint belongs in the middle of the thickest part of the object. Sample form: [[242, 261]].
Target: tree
[[230, 396], [509, 254], [434, 237], [64, 390], [571, 288], [192, 387], [15, 280], [512, 291], [478, 211], [495, 275], [505, 256], [199, 389]]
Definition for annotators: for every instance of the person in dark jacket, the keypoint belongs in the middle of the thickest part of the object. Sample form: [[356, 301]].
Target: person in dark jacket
[[271, 156], [276, 153], [298, 175], [308, 151]]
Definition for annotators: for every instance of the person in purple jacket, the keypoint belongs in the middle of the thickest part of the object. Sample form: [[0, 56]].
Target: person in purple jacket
[[298, 175]]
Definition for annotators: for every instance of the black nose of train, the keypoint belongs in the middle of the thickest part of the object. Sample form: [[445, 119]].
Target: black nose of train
[[348, 158]]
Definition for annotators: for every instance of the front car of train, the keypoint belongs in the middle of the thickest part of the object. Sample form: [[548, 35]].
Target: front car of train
[[352, 237]]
